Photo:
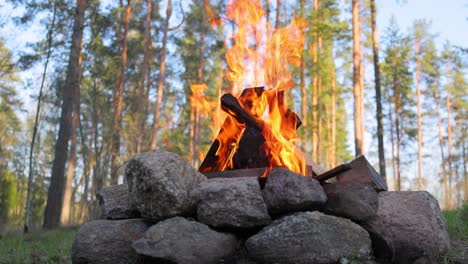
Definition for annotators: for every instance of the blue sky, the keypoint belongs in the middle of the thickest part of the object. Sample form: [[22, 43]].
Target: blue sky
[[449, 17]]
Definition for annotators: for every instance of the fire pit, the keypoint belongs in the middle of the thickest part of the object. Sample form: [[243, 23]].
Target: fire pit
[[171, 213], [255, 198]]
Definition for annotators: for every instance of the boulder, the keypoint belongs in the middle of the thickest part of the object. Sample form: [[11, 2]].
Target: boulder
[[354, 201], [108, 241], [160, 182], [231, 203], [309, 237], [286, 192], [408, 226], [178, 240], [115, 203]]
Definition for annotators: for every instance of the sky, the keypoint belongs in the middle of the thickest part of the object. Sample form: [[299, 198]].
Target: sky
[[449, 17]]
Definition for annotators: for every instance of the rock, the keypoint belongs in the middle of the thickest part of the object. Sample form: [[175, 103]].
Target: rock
[[408, 226], [309, 237], [107, 241], [354, 201], [231, 203], [160, 182], [286, 192], [178, 240], [115, 203]]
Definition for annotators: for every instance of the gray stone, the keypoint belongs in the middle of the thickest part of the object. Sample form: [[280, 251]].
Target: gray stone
[[355, 201], [309, 237], [408, 226], [286, 192], [115, 203], [107, 241], [178, 240], [231, 202], [160, 182]]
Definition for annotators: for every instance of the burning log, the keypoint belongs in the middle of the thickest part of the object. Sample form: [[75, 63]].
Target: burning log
[[247, 146]]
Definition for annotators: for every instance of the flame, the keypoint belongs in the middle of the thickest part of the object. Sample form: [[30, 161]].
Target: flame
[[260, 55]]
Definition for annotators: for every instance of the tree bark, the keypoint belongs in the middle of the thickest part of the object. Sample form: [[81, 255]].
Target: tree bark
[[378, 91], [417, 46], [67, 196], [142, 100], [315, 120], [201, 63], [357, 89], [449, 137], [447, 200], [162, 74], [278, 14], [27, 220], [55, 193], [118, 101]]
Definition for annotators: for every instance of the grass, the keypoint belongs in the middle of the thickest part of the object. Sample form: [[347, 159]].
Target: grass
[[44, 247], [457, 224]]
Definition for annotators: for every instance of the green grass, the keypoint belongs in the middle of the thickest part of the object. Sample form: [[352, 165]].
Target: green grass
[[44, 247], [457, 224]]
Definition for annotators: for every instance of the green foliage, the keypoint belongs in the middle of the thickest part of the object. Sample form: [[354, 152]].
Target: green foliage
[[8, 194], [44, 247], [457, 222]]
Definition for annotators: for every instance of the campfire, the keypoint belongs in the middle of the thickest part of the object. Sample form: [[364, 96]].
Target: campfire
[[259, 130], [255, 198]]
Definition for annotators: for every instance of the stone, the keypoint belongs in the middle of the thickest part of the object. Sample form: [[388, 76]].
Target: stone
[[309, 237], [408, 226], [354, 201], [108, 241], [179, 240], [160, 182], [115, 203], [231, 203], [286, 192]]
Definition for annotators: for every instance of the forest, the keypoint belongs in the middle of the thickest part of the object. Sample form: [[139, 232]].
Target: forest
[[107, 79]]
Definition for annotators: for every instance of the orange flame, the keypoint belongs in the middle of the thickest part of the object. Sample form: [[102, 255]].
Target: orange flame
[[260, 55]]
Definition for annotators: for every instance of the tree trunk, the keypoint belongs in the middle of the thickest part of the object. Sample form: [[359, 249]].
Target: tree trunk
[[118, 94], [392, 141], [201, 63], [378, 91], [465, 171], [449, 138], [447, 201], [333, 113], [302, 77], [357, 89], [162, 74], [142, 100], [315, 120], [55, 193], [27, 220], [67, 196], [417, 46], [278, 14]]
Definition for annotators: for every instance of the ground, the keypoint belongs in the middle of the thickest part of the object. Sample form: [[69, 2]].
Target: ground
[[42, 247], [54, 247]]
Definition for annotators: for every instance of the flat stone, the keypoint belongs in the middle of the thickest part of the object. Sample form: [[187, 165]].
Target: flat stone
[[115, 203], [108, 241], [231, 203], [408, 226], [178, 240], [286, 192], [160, 182], [309, 237], [354, 201]]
